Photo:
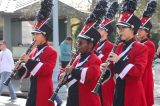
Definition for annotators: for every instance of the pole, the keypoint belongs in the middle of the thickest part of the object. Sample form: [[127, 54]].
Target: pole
[[56, 45], [55, 38]]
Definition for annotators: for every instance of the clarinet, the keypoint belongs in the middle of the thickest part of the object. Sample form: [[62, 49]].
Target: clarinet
[[100, 80], [64, 80], [18, 65]]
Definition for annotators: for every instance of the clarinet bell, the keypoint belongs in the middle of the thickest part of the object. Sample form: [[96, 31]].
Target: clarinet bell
[[7, 81], [96, 89], [52, 98]]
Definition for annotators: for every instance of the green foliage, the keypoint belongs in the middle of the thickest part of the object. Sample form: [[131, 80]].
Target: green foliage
[[112, 36], [155, 37]]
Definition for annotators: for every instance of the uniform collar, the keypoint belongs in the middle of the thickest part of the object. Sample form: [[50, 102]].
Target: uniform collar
[[101, 42], [39, 47], [127, 43], [142, 41], [84, 56]]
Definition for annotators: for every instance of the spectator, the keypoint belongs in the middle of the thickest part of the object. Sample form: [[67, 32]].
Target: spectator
[[66, 47], [6, 66]]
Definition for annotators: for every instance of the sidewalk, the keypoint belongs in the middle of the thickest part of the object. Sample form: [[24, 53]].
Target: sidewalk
[[63, 92], [21, 102], [4, 101]]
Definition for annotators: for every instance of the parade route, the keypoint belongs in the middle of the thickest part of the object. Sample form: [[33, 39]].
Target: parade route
[[4, 100]]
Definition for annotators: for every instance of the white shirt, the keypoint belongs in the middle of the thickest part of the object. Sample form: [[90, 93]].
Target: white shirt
[[6, 61]]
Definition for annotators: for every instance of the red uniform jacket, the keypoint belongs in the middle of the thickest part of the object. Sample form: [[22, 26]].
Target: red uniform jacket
[[107, 89], [41, 69], [147, 79], [83, 81], [129, 75]]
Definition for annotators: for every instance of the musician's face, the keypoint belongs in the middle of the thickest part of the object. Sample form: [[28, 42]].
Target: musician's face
[[142, 34], [83, 45], [39, 38], [125, 33]]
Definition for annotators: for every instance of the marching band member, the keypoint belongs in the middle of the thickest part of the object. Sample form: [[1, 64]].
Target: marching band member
[[129, 60], [103, 48], [85, 70], [40, 62], [143, 35]]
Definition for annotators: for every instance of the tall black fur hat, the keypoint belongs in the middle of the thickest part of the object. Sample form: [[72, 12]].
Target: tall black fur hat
[[106, 24], [147, 14], [89, 31], [127, 17], [43, 20]]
